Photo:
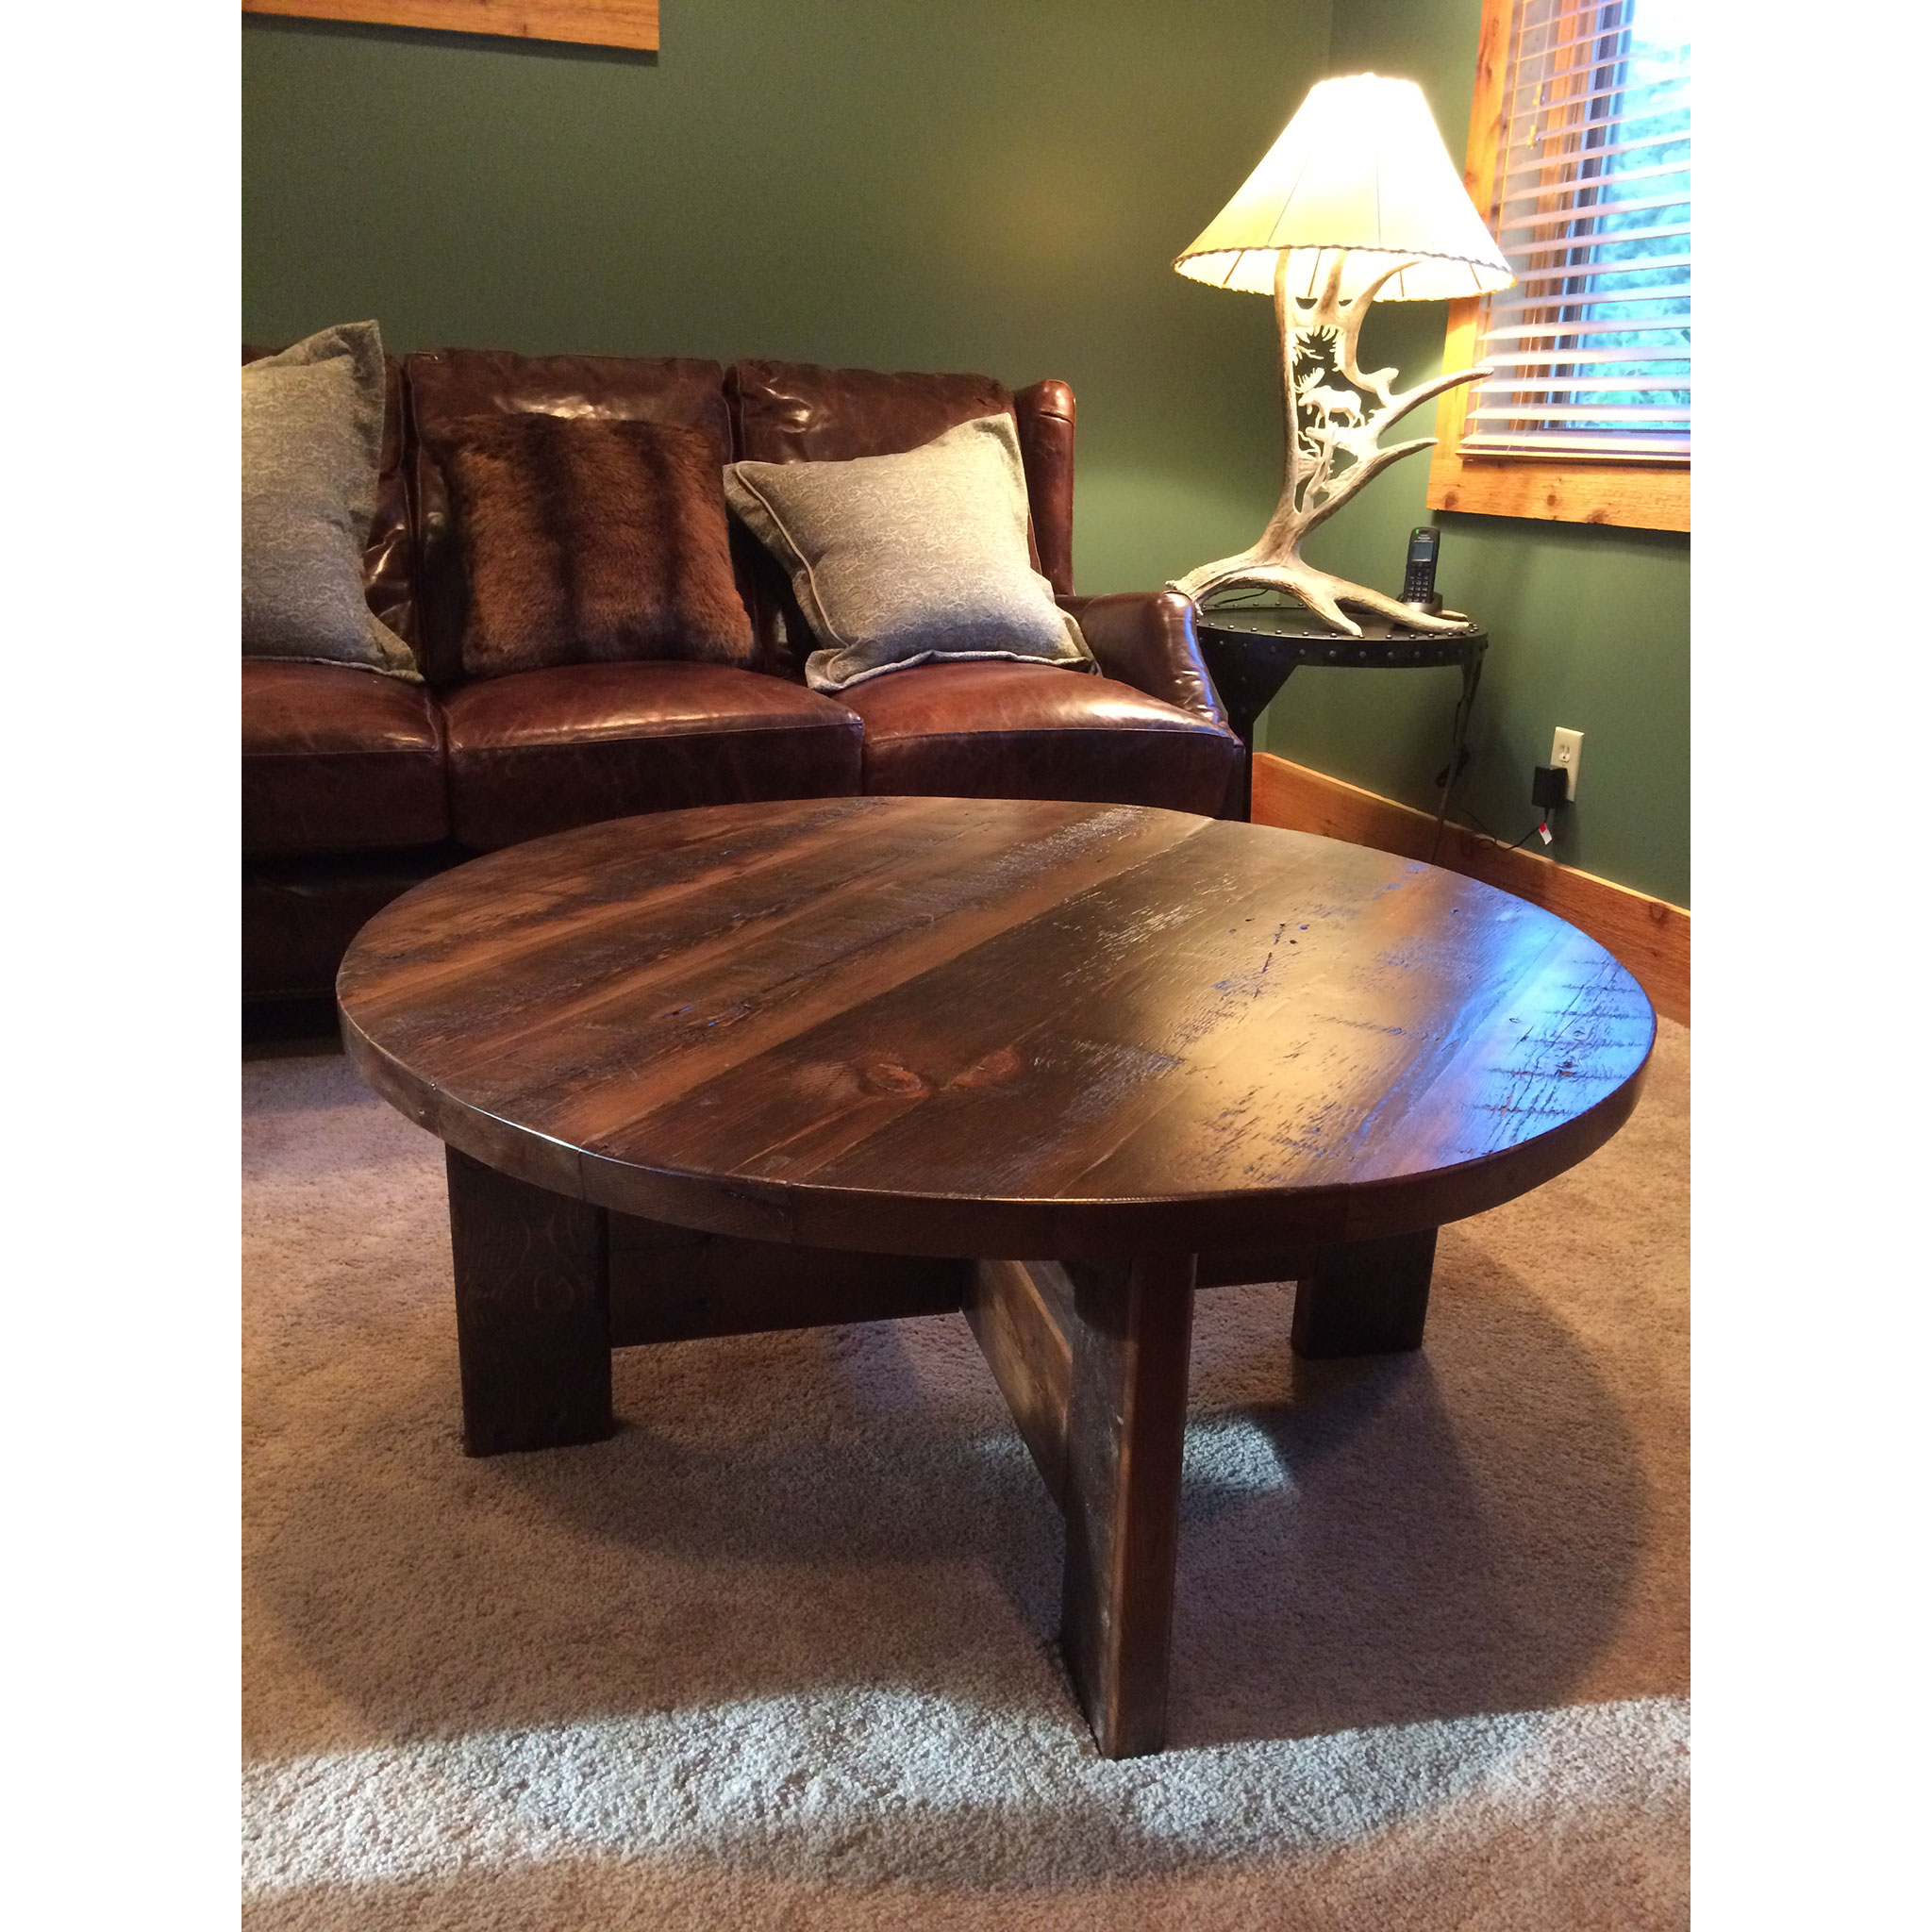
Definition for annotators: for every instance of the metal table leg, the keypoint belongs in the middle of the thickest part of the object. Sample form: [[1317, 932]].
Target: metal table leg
[[1472, 676]]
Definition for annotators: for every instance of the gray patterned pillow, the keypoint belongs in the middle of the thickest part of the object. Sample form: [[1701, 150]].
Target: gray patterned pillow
[[905, 559], [312, 439]]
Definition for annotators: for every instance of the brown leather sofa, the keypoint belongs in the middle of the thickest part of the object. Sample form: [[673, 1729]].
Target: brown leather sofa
[[355, 785]]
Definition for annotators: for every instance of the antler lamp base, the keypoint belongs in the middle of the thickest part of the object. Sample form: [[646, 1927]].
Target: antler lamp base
[[1332, 449]]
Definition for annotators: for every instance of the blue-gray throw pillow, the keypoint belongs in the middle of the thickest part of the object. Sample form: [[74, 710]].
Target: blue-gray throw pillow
[[311, 442], [911, 558]]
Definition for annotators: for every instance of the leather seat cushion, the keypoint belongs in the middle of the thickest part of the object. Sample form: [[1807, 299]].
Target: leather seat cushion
[[992, 730], [337, 760], [542, 751]]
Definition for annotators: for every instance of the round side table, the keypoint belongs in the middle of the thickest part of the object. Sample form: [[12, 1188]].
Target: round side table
[[1250, 653]]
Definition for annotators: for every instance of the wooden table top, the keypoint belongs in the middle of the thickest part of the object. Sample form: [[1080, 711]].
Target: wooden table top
[[995, 1027]]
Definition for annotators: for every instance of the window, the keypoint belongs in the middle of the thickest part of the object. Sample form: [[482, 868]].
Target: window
[[1579, 154]]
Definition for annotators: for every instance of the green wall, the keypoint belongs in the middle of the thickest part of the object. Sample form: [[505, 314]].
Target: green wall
[[1001, 185]]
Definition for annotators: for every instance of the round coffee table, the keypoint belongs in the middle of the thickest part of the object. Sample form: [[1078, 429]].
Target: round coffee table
[[1057, 1065]]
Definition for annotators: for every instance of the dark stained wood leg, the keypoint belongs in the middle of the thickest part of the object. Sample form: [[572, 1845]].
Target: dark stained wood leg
[[1365, 1297], [1019, 1312], [533, 1320], [1128, 1327]]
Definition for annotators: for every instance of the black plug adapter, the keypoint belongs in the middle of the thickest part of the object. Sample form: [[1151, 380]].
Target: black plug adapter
[[1550, 786]]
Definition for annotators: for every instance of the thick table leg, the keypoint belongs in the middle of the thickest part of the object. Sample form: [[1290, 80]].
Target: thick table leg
[[1365, 1297], [1127, 1411], [533, 1314]]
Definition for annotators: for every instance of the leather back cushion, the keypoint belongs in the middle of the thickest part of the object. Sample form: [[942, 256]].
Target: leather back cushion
[[388, 579], [446, 386], [798, 412], [790, 412]]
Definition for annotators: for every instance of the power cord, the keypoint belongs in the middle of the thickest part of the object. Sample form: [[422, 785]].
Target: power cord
[[1541, 827], [1483, 831]]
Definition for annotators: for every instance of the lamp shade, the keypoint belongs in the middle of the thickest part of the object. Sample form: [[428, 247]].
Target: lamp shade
[[1359, 169]]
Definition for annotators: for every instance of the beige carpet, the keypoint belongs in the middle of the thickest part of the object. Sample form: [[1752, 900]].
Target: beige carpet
[[778, 1654]]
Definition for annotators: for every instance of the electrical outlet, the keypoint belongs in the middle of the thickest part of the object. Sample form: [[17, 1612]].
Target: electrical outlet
[[1566, 753]]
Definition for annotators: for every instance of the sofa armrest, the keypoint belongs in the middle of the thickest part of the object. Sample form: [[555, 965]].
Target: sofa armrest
[[1146, 639], [1044, 414]]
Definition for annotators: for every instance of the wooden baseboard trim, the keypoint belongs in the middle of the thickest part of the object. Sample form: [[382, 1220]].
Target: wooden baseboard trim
[[1650, 935]]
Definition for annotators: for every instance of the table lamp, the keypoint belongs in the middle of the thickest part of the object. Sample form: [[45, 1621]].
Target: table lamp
[[1358, 198]]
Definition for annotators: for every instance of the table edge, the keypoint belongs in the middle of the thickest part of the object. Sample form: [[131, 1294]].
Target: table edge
[[802, 1213]]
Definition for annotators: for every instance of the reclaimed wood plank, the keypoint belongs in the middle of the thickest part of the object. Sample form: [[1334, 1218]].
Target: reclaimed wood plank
[[585, 23], [992, 1027]]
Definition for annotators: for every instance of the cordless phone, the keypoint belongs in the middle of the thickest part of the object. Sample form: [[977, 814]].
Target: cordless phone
[[1419, 579]]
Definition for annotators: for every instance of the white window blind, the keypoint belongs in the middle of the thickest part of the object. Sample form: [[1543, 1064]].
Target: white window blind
[[1592, 204]]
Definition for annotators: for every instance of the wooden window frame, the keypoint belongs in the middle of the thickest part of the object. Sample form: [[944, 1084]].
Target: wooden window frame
[[584, 23], [1631, 493]]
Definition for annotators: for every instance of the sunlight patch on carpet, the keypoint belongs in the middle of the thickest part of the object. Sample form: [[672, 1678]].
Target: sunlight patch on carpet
[[865, 1785]]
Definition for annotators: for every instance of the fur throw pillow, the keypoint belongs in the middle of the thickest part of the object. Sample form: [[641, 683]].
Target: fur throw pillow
[[587, 541]]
